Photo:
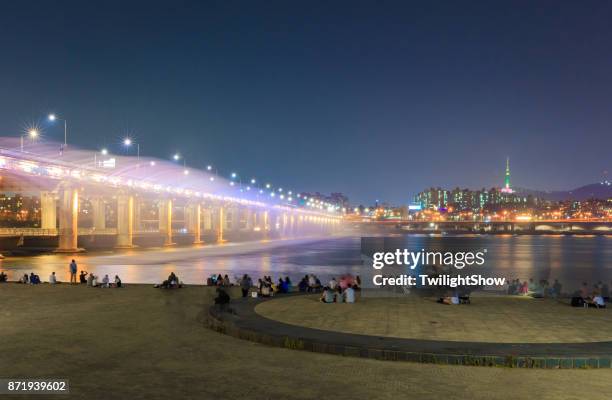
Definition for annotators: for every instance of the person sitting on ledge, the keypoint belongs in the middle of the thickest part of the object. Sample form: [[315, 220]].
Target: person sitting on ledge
[[34, 279], [303, 285], [339, 296], [222, 297], [90, 279], [94, 281], [288, 284], [333, 284], [266, 291], [328, 295], [584, 291], [24, 279], [524, 290], [117, 281], [226, 281], [2, 277], [349, 294], [83, 276], [596, 300], [52, 279], [105, 282]]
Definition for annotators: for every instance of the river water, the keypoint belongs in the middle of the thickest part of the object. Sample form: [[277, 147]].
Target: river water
[[571, 259]]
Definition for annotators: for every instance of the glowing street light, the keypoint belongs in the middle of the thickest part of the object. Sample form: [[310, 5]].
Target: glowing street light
[[268, 186], [209, 167], [127, 142], [253, 181], [32, 134], [53, 118], [104, 152], [234, 175]]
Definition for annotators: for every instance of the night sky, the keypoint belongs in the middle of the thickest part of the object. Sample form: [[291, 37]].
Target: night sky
[[375, 99]]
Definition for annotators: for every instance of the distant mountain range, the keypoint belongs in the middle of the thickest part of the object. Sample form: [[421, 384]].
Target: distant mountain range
[[601, 190]]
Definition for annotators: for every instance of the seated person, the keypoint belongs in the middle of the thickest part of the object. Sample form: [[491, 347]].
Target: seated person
[[94, 281], [83, 277], [303, 285], [288, 285], [450, 298], [24, 279], [339, 296], [222, 297], [34, 279], [266, 290], [117, 281], [328, 295], [349, 294], [52, 279], [105, 282], [90, 278], [2, 277]]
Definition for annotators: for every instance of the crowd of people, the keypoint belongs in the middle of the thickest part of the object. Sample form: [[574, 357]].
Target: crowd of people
[[336, 291], [596, 296], [85, 277]]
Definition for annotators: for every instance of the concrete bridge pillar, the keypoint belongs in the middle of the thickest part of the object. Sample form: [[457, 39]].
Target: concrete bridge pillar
[[165, 220], [99, 212], [194, 222], [137, 214], [207, 219], [221, 221], [292, 230], [235, 218], [48, 210], [125, 220], [68, 220], [265, 223], [248, 225]]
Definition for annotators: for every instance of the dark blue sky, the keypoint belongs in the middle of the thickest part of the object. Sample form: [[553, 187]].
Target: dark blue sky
[[374, 99]]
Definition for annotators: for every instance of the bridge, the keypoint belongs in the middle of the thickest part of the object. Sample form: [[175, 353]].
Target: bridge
[[570, 226], [84, 195]]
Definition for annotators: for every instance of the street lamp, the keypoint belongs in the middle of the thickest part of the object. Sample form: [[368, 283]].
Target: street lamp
[[104, 152], [53, 118], [127, 142], [32, 134], [177, 157]]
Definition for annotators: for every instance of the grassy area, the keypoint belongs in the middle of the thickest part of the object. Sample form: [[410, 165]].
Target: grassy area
[[144, 343]]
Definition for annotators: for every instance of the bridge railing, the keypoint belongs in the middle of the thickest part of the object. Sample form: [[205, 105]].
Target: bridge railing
[[28, 232]]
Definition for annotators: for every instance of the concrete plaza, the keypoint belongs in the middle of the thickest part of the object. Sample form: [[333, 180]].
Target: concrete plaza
[[492, 318]]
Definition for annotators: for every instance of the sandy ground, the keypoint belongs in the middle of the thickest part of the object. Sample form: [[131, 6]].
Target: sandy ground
[[496, 319], [145, 343]]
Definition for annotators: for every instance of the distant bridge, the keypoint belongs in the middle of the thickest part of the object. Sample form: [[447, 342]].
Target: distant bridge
[[576, 226]]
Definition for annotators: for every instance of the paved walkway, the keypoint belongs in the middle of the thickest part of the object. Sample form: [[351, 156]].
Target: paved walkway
[[494, 319], [244, 322]]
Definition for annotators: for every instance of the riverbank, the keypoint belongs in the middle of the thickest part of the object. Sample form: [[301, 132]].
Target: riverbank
[[192, 264], [143, 343]]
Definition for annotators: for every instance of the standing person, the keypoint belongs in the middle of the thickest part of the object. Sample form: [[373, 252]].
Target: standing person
[[73, 272], [245, 285]]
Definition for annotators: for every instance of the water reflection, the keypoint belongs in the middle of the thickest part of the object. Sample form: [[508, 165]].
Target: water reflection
[[570, 259]]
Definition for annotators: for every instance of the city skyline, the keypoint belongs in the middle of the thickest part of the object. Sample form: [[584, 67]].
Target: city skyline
[[374, 103]]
